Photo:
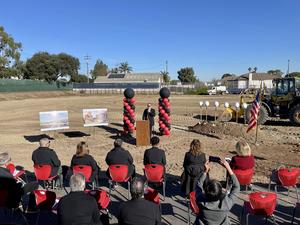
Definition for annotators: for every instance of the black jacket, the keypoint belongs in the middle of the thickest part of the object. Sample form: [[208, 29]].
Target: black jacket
[[44, 155], [193, 169], [13, 189], [86, 160], [119, 156], [154, 155], [78, 208], [149, 116], [139, 211]]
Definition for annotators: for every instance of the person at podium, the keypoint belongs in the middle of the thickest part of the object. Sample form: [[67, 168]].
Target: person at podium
[[149, 114]]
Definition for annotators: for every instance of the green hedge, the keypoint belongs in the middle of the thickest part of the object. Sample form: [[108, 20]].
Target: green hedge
[[8, 85], [197, 91]]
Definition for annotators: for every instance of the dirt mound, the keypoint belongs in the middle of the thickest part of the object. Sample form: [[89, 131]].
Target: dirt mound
[[219, 130]]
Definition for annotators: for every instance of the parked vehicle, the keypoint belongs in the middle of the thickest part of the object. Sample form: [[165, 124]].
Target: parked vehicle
[[218, 90]]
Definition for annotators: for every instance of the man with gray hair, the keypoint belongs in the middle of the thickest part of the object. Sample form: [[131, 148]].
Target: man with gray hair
[[119, 155], [78, 207], [138, 210], [44, 155]]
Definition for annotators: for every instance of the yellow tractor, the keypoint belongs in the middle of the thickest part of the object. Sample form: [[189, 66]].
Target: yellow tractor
[[283, 102]]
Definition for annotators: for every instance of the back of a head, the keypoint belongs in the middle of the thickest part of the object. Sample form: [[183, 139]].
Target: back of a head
[[118, 143], [82, 148], [213, 190], [4, 158], [44, 142], [137, 188], [154, 141], [196, 147], [77, 182], [243, 148]]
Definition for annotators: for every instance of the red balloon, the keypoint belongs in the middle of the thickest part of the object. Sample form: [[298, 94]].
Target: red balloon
[[167, 132], [133, 100], [124, 100], [165, 100], [162, 125], [162, 111], [166, 116], [125, 104], [160, 108]]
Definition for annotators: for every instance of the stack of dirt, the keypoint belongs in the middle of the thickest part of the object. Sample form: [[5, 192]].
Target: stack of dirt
[[219, 130]]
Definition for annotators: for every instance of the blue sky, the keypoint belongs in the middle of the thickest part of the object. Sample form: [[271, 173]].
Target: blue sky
[[212, 36]]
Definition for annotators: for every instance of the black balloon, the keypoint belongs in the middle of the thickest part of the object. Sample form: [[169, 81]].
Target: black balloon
[[129, 93], [164, 92]]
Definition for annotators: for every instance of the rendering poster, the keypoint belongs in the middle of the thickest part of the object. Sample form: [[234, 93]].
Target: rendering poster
[[54, 120], [95, 117]]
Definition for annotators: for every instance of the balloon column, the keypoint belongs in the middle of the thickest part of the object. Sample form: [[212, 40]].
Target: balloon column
[[164, 111], [128, 111]]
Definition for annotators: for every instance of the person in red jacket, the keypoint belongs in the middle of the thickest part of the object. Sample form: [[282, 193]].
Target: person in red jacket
[[244, 159]]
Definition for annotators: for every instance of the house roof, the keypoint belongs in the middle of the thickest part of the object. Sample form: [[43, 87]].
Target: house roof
[[255, 76], [129, 77]]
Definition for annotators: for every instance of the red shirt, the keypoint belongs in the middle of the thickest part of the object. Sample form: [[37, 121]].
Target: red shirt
[[242, 162]]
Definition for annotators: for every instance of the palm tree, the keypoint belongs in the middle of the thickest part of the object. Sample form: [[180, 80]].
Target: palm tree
[[125, 68], [165, 76], [255, 69], [249, 69]]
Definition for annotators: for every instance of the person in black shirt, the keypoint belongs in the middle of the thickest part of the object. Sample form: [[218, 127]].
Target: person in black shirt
[[82, 157], [154, 155], [78, 207], [149, 115], [15, 190], [194, 161], [45, 155], [119, 155], [139, 211]]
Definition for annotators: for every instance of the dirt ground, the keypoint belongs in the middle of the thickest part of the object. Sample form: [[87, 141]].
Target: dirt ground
[[278, 142]]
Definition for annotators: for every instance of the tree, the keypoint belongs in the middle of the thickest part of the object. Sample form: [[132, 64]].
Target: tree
[[249, 69], [254, 69], [67, 65], [114, 70], [186, 75], [44, 66], [293, 74], [80, 78], [125, 68], [165, 76], [275, 72], [9, 54], [227, 75], [100, 69]]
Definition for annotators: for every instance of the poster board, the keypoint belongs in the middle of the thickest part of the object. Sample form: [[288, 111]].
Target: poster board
[[94, 117], [54, 120]]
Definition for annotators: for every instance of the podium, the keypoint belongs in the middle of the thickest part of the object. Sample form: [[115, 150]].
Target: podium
[[142, 133]]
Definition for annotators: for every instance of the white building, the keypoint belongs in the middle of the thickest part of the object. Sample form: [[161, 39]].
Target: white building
[[250, 80]]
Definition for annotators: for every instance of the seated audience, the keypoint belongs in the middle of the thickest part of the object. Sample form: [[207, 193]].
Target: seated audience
[[14, 189], [193, 165], [139, 211], [244, 158], [78, 207], [119, 155], [154, 155], [213, 202], [82, 157], [45, 155]]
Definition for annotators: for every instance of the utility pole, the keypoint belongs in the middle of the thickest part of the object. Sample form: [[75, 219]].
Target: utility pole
[[167, 66], [87, 58], [288, 71]]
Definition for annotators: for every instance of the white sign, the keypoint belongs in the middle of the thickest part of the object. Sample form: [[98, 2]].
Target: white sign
[[95, 117], [54, 120]]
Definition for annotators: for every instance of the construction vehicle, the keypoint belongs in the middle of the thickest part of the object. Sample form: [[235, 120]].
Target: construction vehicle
[[282, 102]]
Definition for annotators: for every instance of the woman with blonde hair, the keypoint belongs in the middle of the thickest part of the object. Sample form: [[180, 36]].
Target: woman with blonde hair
[[82, 157], [194, 161], [244, 158]]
